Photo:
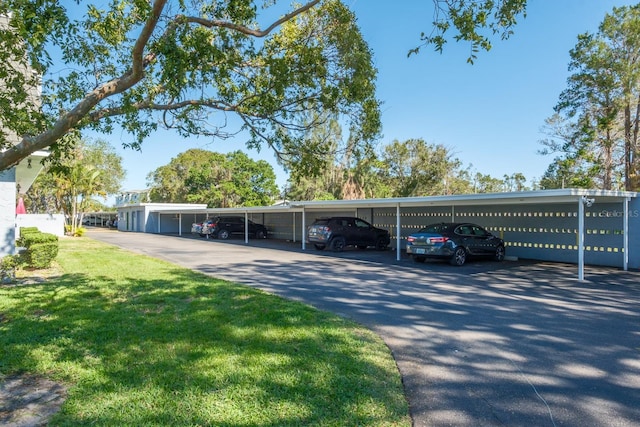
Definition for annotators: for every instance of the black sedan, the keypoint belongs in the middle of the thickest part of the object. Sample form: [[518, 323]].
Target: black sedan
[[223, 227], [455, 242]]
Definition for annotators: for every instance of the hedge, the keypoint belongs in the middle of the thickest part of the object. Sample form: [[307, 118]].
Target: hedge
[[41, 248], [27, 230]]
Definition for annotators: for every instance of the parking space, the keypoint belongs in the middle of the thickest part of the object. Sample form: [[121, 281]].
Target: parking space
[[485, 344]]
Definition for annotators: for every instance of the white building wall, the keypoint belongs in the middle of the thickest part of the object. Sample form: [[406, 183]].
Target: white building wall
[[46, 223], [7, 212]]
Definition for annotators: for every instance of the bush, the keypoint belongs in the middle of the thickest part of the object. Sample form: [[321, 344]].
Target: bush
[[42, 248], [27, 230], [78, 233], [8, 266]]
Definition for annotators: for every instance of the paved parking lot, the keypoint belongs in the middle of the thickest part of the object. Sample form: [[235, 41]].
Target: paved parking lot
[[486, 344]]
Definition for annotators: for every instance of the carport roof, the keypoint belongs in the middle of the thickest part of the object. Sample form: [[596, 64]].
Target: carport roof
[[541, 196], [566, 195]]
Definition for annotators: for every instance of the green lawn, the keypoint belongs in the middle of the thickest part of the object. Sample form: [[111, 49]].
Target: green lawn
[[143, 342]]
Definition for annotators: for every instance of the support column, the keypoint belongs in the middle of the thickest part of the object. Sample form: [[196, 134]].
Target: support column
[[398, 233], [581, 239]]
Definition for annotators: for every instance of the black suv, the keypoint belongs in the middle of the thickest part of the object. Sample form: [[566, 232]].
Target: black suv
[[340, 231], [223, 227]]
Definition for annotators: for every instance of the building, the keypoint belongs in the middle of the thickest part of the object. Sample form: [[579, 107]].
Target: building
[[565, 225]]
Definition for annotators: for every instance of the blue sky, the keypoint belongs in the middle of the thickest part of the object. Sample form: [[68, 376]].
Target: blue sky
[[489, 114]]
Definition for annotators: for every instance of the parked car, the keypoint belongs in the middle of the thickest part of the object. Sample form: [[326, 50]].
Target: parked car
[[340, 232], [196, 228], [90, 220], [222, 227], [455, 242]]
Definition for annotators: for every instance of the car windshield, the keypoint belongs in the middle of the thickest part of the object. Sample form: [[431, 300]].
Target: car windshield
[[435, 228]]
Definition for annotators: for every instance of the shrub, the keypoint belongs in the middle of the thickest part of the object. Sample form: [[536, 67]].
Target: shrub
[[68, 230], [42, 248], [27, 230], [8, 266]]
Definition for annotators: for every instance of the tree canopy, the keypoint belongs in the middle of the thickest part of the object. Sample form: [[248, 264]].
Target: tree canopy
[[188, 66], [141, 65], [218, 180], [91, 169], [597, 124]]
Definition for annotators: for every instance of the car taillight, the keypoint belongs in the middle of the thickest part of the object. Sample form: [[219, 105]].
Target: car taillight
[[411, 239], [438, 239]]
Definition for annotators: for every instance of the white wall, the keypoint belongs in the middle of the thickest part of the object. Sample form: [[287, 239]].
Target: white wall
[[46, 223], [7, 211]]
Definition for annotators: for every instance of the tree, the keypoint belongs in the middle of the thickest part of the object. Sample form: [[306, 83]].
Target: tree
[[92, 169], [415, 168], [578, 162], [219, 180], [515, 182], [568, 173], [487, 184], [322, 179], [601, 104], [185, 66], [346, 170]]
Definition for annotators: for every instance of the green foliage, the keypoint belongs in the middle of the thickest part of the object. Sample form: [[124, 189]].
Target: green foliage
[[88, 168], [9, 262], [219, 180], [415, 168], [41, 249], [475, 22], [40, 255], [595, 130], [78, 232], [8, 266], [28, 230], [403, 169], [186, 66]]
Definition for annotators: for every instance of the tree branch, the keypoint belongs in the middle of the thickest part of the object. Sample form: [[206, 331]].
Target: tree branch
[[248, 31], [29, 144]]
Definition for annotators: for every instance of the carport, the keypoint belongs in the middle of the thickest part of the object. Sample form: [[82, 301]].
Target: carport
[[565, 225]]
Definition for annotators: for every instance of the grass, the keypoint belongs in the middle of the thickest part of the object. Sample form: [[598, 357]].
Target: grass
[[142, 342]]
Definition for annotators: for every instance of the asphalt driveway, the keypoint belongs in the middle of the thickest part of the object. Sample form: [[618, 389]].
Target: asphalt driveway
[[486, 344]]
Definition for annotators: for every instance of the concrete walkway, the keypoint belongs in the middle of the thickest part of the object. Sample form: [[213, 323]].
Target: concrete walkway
[[487, 344]]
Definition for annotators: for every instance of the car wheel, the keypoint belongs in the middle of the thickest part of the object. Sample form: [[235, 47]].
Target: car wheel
[[338, 244], [459, 257], [499, 256], [319, 247], [261, 234], [418, 258], [223, 234], [381, 244]]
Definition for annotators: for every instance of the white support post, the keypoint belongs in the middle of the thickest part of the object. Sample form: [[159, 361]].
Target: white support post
[[304, 231], [398, 233], [580, 239], [625, 237], [246, 227], [180, 224]]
